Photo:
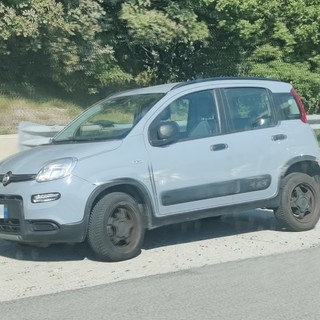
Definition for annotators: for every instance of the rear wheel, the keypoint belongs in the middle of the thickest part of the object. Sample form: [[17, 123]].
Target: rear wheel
[[116, 229], [299, 208]]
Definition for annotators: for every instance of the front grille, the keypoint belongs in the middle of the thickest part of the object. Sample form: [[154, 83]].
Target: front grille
[[18, 177], [10, 197], [9, 225]]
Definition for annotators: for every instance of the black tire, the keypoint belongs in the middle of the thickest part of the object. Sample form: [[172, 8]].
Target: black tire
[[299, 208], [116, 229]]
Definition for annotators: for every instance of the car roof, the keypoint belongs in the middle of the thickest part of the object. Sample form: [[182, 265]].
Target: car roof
[[274, 84], [162, 88]]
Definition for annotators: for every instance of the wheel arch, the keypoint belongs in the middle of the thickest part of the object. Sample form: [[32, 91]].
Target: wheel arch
[[129, 186], [304, 164]]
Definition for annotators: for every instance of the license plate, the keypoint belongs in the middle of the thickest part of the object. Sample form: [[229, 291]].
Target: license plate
[[3, 211]]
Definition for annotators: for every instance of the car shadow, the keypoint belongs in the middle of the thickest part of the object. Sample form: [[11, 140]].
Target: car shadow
[[209, 228], [251, 221]]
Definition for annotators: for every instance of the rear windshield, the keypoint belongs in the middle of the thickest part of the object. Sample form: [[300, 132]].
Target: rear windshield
[[288, 106]]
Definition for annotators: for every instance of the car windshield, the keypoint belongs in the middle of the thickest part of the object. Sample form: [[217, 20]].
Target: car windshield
[[112, 118]]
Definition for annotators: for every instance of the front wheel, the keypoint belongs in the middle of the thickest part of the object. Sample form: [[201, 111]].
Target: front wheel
[[299, 208], [116, 229]]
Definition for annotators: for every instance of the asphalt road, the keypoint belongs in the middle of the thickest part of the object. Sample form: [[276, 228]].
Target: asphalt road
[[284, 286], [237, 267]]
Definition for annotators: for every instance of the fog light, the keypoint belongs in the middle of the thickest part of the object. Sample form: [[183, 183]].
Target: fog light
[[44, 226], [45, 197]]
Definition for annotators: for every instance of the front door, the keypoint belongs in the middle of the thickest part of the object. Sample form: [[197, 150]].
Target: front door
[[205, 167]]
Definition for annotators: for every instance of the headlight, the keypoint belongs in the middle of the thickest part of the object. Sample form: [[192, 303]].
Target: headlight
[[56, 169]]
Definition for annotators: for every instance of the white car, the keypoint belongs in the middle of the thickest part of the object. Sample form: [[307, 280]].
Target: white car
[[148, 157]]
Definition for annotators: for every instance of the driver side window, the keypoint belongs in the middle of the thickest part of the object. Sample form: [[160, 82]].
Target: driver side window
[[189, 117]]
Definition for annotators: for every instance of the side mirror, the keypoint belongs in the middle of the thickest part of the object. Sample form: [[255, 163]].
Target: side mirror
[[166, 133]]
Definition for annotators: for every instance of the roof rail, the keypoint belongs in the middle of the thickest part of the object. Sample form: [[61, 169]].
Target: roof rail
[[182, 84]]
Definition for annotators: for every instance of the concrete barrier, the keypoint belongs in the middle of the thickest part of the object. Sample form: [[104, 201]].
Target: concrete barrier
[[9, 144]]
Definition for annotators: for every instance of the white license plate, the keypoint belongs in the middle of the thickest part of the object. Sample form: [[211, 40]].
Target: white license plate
[[3, 211]]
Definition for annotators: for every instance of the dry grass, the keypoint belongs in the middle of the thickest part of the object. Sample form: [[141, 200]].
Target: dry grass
[[50, 112]]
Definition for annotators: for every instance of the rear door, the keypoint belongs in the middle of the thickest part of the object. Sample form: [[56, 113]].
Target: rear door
[[256, 141]]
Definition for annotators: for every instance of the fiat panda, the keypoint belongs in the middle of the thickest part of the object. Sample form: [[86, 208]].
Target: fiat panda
[[153, 156]]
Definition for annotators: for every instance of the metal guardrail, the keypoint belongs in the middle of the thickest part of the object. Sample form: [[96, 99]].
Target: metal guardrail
[[34, 134], [314, 121]]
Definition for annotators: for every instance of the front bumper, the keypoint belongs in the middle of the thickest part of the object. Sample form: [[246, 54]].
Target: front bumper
[[13, 225], [62, 220]]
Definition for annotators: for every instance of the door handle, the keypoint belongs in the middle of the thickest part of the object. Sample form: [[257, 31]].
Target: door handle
[[278, 137], [218, 147]]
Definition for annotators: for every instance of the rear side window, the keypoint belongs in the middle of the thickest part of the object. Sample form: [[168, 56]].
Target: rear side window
[[288, 106], [248, 108]]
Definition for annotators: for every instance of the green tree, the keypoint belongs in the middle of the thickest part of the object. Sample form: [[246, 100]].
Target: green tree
[[157, 41], [278, 39], [94, 44], [60, 41]]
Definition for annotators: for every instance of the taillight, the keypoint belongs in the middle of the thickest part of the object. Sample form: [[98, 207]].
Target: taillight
[[301, 106]]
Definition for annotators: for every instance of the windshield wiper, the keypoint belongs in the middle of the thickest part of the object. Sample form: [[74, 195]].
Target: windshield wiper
[[76, 140], [70, 140]]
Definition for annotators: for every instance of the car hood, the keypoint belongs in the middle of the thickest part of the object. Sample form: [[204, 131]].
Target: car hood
[[31, 161]]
